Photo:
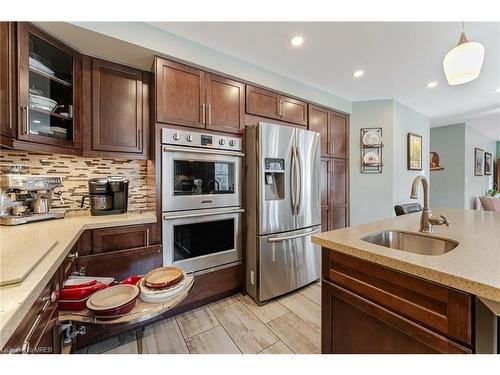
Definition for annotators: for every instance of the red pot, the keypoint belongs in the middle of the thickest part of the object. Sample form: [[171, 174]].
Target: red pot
[[132, 280], [80, 293], [80, 285], [73, 305]]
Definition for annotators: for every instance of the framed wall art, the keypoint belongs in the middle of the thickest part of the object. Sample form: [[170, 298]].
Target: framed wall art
[[478, 162], [488, 164], [414, 152]]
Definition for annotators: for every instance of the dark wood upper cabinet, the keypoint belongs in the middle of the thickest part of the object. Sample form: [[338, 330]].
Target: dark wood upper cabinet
[[188, 96], [319, 121], [262, 102], [7, 79], [180, 94], [118, 123], [293, 110], [334, 131], [225, 104], [49, 93], [339, 135], [265, 103]]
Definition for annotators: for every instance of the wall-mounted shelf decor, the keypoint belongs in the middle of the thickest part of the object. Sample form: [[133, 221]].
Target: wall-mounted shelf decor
[[434, 162], [371, 146]]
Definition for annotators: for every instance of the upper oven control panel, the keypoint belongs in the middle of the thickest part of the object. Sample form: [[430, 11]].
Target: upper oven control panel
[[195, 139]]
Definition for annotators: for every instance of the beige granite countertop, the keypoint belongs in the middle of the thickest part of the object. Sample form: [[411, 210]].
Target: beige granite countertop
[[473, 266], [16, 299]]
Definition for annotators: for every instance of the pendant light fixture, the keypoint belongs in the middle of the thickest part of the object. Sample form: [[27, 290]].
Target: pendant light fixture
[[463, 63]]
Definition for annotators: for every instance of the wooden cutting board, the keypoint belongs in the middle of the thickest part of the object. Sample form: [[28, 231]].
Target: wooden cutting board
[[16, 264]]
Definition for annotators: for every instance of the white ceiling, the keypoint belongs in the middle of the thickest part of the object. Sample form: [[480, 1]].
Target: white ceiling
[[398, 60]]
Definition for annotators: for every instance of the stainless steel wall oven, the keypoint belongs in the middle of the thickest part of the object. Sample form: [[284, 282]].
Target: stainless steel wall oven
[[201, 199]]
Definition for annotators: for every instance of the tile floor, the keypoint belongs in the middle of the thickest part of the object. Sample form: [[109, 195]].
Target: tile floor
[[287, 325]]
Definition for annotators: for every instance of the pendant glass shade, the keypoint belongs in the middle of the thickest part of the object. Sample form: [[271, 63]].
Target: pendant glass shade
[[463, 63]]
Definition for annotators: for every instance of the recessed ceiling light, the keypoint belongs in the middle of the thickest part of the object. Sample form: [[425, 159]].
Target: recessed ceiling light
[[358, 73], [297, 41], [432, 84], [497, 90]]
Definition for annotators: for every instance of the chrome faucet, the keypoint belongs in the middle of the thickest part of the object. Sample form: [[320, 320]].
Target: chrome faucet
[[426, 220]]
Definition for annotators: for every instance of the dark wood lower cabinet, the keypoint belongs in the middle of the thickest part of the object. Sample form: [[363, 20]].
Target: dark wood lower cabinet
[[354, 325], [121, 264], [334, 193], [38, 333], [370, 309]]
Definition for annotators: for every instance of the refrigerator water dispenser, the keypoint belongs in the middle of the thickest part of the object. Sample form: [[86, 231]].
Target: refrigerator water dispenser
[[274, 175]]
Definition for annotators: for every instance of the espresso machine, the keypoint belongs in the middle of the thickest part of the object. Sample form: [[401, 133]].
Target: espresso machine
[[27, 198], [107, 196]]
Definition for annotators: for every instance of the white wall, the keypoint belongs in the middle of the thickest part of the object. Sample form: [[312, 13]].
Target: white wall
[[447, 185], [476, 186], [373, 196], [148, 36], [407, 120], [456, 186]]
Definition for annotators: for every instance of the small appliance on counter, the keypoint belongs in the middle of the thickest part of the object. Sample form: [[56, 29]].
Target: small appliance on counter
[[107, 196], [27, 198]]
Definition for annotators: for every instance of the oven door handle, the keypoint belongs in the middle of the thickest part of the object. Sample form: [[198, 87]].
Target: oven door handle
[[285, 238], [203, 151], [186, 216]]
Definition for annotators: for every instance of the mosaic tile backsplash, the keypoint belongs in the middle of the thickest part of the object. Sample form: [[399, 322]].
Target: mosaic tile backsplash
[[76, 170]]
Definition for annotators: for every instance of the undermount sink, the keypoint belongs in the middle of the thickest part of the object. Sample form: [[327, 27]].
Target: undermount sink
[[411, 242]]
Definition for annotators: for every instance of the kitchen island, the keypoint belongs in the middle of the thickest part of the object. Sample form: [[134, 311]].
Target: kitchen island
[[380, 299]]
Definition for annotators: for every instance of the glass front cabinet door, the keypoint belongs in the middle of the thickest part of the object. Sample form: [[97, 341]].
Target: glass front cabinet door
[[49, 80]]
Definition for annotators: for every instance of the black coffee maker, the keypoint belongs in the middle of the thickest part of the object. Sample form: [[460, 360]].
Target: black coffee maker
[[107, 196]]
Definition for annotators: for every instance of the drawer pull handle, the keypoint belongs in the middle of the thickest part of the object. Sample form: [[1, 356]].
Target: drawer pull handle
[[25, 348]]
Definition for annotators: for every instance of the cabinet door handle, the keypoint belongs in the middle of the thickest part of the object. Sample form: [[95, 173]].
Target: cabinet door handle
[[9, 94], [47, 299], [72, 256], [333, 148], [26, 343], [203, 113], [281, 108], [333, 167], [24, 119], [147, 237], [209, 114]]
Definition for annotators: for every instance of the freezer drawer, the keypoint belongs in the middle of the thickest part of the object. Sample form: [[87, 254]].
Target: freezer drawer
[[287, 261]]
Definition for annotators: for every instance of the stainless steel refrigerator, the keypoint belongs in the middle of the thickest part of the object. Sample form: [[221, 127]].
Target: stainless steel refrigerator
[[282, 209]]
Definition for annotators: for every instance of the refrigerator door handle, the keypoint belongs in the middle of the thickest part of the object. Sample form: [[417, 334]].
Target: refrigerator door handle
[[298, 186], [285, 238], [293, 179]]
